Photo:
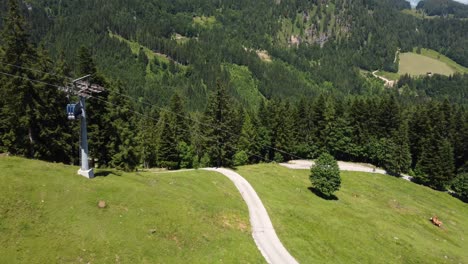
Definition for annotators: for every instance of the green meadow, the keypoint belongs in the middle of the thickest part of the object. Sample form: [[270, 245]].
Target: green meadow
[[48, 214], [375, 218]]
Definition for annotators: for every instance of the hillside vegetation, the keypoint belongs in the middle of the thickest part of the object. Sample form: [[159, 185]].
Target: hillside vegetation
[[311, 43], [443, 8], [48, 214], [422, 61], [375, 219], [207, 83]]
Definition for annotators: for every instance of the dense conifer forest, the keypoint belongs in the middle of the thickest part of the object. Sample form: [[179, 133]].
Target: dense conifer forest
[[227, 83]]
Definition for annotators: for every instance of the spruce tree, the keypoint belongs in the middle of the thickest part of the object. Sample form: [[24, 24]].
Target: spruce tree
[[436, 165], [99, 128], [219, 130], [122, 141], [147, 137], [33, 120], [51, 125], [18, 92], [168, 156], [264, 130], [398, 157], [249, 139], [178, 119], [302, 132]]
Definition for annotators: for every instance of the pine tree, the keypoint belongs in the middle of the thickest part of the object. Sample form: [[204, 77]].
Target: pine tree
[[35, 124], [435, 166], [51, 125], [17, 94], [147, 138], [390, 117], [99, 128], [302, 132], [178, 119], [283, 131], [220, 128], [121, 143], [264, 130], [323, 116], [398, 157], [71, 133], [249, 139], [168, 156]]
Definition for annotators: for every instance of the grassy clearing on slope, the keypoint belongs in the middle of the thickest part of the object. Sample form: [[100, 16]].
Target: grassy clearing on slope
[[418, 14], [376, 219], [436, 55], [245, 85], [205, 21], [389, 75], [135, 47], [415, 64], [48, 214]]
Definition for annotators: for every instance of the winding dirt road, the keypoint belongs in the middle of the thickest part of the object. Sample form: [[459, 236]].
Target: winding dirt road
[[262, 229]]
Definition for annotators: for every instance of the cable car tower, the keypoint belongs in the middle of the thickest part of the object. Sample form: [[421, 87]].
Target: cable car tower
[[83, 89]]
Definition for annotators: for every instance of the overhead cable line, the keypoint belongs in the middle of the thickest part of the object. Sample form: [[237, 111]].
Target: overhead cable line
[[36, 70], [140, 114]]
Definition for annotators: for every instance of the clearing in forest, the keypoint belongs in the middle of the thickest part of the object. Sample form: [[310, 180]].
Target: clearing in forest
[[415, 64]]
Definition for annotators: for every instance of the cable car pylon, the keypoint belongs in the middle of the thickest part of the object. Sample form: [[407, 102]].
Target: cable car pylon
[[83, 89]]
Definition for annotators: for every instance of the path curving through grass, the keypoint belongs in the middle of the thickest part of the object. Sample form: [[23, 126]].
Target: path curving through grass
[[262, 229]]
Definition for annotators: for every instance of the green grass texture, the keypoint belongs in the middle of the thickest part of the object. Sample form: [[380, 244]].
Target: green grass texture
[[375, 218], [49, 214], [416, 64]]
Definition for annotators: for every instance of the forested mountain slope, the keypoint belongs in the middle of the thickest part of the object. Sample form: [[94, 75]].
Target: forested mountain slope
[[226, 83], [443, 8], [314, 45]]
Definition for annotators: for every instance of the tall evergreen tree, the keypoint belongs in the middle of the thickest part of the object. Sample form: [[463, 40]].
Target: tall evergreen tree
[[147, 138], [51, 124], [220, 131], [17, 93], [264, 130], [99, 128], [398, 157], [168, 156], [33, 122], [178, 119], [121, 143], [436, 165], [302, 131], [249, 139]]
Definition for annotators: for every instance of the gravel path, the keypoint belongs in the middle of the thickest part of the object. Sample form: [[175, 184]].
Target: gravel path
[[262, 229], [345, 166]]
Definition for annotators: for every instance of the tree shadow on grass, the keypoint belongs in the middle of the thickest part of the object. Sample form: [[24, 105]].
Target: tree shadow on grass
[[323, 196], [105, 173]]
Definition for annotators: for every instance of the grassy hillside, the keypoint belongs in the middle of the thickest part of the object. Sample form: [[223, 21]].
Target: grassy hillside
[[442, 58], [420, 64], [416, 64], [48, 214], [428, 61], [376, 219]]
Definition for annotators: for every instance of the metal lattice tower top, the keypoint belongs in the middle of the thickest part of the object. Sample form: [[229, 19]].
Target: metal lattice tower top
[[84, 88]]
